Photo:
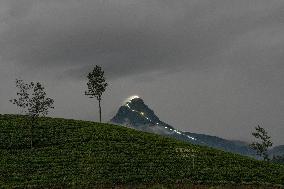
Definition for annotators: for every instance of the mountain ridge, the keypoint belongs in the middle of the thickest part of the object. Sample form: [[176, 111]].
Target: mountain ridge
[[134, 113]]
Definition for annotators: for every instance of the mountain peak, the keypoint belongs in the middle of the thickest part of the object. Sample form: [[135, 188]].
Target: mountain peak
[[129, 99], [135, 112], [136, 101]]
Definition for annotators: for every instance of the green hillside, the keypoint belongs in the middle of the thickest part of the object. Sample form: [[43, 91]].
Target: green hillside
[[70, 153]]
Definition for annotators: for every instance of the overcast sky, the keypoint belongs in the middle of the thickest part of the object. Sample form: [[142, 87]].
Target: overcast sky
[[206, 66]]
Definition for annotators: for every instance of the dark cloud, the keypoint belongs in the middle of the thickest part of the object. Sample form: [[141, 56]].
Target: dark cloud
[[236, 47], [126, 37]]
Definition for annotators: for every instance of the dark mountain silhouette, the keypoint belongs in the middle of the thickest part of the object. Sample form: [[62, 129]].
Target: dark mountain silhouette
[[277, 151], [136, 114]]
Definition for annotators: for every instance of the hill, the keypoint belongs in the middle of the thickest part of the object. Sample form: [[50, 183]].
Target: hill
[[80, 154]]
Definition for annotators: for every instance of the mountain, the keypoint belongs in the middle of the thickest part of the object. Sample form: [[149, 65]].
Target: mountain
[[136, 114], [239, 147], [277, 151]]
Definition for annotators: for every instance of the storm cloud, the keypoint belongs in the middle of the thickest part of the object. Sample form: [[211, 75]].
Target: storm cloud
[[210, 66]]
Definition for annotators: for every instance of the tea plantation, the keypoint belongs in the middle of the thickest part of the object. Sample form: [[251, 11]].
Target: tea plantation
[[82, 154]]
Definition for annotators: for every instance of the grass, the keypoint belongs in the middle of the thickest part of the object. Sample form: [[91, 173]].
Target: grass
[[71, 153]]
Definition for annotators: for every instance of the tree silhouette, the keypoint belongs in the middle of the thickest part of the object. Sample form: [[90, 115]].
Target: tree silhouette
[[33, 102], [96, 86], [261, 147]]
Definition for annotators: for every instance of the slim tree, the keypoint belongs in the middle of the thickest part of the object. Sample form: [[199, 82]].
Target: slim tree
[[96, 86], [33, 102], [264, 143]]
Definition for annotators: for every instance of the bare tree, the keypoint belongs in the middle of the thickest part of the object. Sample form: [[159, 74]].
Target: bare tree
[[262, 146], [33, 102], [96, 86]]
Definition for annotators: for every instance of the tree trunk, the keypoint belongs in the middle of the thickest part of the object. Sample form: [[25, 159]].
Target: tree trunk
[[31, 132], [100, 111]]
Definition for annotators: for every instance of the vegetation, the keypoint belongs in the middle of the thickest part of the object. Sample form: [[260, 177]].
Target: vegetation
[[80, 154], [33, 102], [96, 86], [262, 146]]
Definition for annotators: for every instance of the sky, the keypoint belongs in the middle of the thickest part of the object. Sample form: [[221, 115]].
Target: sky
[[206, 66]]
